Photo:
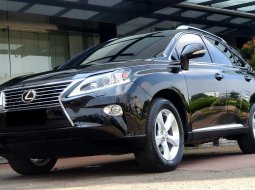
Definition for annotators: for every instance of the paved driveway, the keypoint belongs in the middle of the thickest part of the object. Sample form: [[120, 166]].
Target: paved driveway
[[213, 168]]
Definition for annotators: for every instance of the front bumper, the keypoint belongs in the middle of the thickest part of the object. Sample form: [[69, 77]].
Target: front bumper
[[86, 111], [67, 142], [93, 132]]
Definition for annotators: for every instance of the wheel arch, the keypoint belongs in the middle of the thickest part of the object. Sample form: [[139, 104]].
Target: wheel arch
[[180, 103]]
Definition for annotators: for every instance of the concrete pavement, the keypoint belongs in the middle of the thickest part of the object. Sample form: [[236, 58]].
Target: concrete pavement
[[211, 168]]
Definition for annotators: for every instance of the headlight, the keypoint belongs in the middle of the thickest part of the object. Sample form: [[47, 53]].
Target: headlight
[[2, 101], [102, 81]]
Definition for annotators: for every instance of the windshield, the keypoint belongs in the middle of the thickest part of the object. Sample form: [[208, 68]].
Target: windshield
[[124, 49]]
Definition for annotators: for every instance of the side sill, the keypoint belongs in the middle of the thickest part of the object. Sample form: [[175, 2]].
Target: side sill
[[219, 131]]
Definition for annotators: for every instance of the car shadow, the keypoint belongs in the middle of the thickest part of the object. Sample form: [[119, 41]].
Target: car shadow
[[128, 171]]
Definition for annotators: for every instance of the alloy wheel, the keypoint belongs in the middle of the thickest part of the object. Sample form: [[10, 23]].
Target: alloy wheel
[[167, 134]]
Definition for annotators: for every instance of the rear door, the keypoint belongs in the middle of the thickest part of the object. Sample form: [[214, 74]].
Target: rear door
[[206, 87], [240, 84]]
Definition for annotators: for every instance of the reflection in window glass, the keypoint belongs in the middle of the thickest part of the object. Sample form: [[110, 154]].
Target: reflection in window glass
[[130, 48], [192, 39], [238, 62], [221, 54], [109, 51]]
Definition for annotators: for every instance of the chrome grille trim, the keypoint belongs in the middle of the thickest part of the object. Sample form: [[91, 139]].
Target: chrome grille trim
[[21, 104], [14, 92], [62, 96], [36, 107], [47, 96]]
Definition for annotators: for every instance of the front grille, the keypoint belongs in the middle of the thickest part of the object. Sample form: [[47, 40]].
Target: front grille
[[46, 96]]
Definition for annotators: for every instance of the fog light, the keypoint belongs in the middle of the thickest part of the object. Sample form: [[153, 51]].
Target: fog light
[[113, 110]]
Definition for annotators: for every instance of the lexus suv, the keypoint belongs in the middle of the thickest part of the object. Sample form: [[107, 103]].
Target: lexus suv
[[149, 94]]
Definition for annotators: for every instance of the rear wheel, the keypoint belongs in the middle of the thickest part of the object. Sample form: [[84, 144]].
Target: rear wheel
[[29, 166], [247, 142], [165, 138]]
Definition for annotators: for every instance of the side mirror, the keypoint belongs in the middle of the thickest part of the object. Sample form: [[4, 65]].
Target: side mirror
[[191, 51]]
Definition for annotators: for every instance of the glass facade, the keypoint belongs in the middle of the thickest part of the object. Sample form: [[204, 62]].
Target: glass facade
[[25, 52], [4, 57]]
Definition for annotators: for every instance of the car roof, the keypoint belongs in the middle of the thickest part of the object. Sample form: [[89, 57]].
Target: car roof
[[203, 32]]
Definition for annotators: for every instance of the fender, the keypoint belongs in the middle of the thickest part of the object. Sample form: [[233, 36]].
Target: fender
[[167, 78]]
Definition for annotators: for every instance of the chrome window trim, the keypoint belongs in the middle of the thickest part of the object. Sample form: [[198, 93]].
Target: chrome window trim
[[185, 27]]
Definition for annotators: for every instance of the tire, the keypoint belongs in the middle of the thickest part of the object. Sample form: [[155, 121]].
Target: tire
[[27, 166], [247, 142], [156, 157]]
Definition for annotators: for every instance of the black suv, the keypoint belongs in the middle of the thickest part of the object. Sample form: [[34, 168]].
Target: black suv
[[149, 94]]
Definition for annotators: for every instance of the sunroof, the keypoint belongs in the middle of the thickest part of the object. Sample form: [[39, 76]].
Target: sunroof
[[168, 11], [192, 14], [226, 4], [240, 20], [216, 29], [217, 17], [44, 9], [12, 6], [104, 3], [79, 14], [248, 8], [196, 1]]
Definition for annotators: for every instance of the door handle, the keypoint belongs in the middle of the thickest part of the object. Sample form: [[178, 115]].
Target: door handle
[[218, 76], [247, 78]]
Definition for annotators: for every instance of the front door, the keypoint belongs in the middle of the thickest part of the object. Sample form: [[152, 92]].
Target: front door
[[206, 88]]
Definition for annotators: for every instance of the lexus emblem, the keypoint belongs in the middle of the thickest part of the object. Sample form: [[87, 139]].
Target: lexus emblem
[[28, 96]]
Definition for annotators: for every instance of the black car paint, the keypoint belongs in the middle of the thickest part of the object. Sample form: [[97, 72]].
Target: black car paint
[[94, 132]]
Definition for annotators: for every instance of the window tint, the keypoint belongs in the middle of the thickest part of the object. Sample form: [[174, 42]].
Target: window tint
[[220, 52], [238, 62], [191, 39], [130, 48]]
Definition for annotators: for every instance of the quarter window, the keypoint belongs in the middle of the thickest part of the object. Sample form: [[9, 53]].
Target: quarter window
[[221, 53]]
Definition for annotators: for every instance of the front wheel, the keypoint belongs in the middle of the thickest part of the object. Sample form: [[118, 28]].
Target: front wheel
[[165, 138], [247, 142], [29, 166]]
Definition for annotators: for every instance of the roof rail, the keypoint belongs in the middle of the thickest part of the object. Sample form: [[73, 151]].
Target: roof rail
[[185, 27]]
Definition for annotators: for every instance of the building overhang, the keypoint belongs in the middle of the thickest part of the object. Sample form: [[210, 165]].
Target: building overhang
[[133, 16]]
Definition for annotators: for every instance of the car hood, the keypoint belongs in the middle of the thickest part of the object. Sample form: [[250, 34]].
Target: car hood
[[57, 76], [74, 73]]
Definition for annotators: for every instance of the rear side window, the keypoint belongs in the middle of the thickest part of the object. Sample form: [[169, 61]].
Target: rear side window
[[220, 52], [191, 39]]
